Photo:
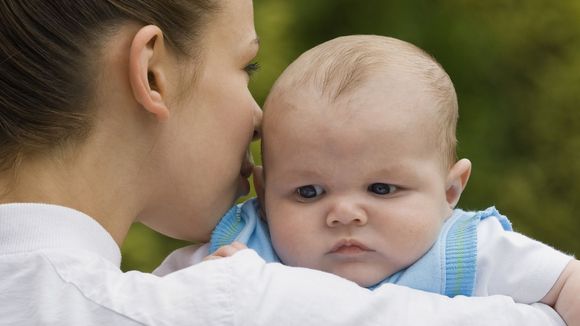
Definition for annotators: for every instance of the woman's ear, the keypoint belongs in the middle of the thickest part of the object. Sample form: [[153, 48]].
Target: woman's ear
[[258, 176], [146, 72], [457, 180]]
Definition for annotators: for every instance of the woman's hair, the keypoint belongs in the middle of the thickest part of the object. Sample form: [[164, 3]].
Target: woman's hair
[[48, 50]]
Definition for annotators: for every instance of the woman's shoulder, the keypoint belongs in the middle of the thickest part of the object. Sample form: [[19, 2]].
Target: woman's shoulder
[[182, 258]]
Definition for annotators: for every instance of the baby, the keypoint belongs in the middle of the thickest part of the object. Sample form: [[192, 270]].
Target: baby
[[361, 180]]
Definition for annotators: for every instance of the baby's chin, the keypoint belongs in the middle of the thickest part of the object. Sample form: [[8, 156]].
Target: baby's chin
[[364, 278], [368, 282]]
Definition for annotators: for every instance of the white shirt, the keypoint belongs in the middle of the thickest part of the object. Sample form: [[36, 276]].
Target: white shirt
[[60, 267], [509, 263]]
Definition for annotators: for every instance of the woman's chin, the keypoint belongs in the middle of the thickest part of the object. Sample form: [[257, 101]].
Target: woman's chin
[[243, 187]]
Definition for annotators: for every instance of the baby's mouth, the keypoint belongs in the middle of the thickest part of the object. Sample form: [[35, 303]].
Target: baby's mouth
[[349, 246]]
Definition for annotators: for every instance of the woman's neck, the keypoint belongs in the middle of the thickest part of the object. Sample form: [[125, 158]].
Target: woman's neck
[[79, 182]]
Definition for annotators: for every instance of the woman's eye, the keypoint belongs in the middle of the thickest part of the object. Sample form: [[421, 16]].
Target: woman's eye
[[251, 68], [382, 188], [309, 192]]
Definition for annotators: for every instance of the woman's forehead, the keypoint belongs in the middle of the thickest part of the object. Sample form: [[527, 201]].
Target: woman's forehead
[[234, 22]]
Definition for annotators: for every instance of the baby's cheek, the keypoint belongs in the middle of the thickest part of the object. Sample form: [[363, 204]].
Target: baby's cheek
[[421, 241], [287, 246]]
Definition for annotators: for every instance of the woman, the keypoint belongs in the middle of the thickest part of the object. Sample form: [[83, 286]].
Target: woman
[[119, 111]]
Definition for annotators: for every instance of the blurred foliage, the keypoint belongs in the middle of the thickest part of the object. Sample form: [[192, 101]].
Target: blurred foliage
[[516, 68]]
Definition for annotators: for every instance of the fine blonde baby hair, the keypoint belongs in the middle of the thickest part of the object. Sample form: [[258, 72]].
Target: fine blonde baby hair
[[342, 65]]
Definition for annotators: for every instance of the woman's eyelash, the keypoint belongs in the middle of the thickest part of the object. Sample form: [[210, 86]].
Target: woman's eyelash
[[251, 68]]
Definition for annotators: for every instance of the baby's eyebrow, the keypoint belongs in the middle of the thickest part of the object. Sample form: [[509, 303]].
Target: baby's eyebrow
[[303, 173], [390, 169], [399, 171]]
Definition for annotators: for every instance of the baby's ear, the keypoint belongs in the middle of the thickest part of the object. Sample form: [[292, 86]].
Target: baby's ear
[[457, 180], [258, 176]]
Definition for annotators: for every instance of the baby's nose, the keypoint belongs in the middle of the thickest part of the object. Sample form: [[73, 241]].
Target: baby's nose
[[345, 214]]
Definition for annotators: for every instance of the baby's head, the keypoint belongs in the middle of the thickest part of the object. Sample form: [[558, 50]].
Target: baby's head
[[359, 157]]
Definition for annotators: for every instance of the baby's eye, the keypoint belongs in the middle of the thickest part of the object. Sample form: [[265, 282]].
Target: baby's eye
[[381, 188], [309, 191]]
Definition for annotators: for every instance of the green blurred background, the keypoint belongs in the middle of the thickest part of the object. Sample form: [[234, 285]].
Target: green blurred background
[[516, 68]]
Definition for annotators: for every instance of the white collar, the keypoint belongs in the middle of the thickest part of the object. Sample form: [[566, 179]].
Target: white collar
[[30, 226]]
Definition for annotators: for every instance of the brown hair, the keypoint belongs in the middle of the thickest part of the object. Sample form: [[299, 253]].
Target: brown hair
[[47, 48], [342, 65]]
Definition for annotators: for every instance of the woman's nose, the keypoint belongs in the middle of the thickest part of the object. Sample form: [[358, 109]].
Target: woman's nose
[[346, 214]]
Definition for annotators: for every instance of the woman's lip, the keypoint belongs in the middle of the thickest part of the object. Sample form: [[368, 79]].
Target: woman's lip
[[247, 165], [349, 246], [245, 172]]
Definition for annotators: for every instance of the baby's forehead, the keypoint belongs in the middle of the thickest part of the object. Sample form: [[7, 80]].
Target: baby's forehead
[[371, 109], [382, 91]]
